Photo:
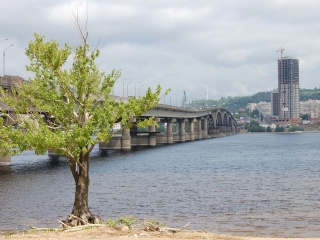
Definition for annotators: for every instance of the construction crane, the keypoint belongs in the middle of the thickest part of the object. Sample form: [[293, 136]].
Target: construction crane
[[282, 82]]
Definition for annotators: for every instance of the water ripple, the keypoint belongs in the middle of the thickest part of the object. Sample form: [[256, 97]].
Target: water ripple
[[254, 184]]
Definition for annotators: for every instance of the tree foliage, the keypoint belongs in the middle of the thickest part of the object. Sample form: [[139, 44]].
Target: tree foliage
[[279, 128], [67, 111], [305, 116], [254, 126], [235, 103]]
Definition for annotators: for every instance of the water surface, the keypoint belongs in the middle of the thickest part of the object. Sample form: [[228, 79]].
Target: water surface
[[248, 184]]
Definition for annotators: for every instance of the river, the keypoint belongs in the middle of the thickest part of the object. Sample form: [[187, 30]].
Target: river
[[247, 184]]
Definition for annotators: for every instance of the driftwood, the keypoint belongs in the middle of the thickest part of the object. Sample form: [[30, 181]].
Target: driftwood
[[64, 225], [45, 229], [68, 228], [78, 228], [174, 230]]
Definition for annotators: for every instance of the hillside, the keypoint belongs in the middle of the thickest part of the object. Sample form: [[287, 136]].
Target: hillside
[[235, 103]]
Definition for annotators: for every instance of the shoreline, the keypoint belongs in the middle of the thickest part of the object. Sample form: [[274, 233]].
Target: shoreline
[[110, 233]]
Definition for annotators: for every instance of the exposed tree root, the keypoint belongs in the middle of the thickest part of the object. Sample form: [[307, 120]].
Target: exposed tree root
[[68, 225], [84, 219]]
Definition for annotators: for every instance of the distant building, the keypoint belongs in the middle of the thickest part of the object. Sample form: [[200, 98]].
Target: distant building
[[312, 108], [10, 81], [264, 108], [275, 103], [288, 88], [251, 106]]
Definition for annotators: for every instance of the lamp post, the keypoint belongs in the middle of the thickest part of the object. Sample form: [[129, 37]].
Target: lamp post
[[123, 83], [170, 98], [135, 89], [139, 89], [128, 88], [4, 59]]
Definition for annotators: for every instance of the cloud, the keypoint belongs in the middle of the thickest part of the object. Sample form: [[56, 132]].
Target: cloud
[[227, 48]]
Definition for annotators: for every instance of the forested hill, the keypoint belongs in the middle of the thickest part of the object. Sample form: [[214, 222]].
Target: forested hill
[[234, 103]]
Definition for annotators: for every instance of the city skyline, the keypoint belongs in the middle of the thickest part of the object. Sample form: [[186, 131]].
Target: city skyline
[[208, 48]]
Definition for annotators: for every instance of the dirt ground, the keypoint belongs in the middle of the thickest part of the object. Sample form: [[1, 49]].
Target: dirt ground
[[112, 234]]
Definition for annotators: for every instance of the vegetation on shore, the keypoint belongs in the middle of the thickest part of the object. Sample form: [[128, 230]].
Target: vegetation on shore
[[236, 103], [254, 126]]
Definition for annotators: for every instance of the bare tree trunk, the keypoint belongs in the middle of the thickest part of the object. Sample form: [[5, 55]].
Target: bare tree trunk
[[80, 214]]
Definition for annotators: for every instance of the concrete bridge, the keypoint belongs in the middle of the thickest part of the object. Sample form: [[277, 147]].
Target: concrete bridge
[[176, 124]]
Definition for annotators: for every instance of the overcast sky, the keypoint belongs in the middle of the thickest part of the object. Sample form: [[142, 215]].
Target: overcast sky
[[223, 48]]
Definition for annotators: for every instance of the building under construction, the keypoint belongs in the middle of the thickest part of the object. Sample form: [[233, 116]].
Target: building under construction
[[288, 89]]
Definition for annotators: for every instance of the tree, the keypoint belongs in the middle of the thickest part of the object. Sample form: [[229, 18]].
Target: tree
[[68, 111], [305, 117], [254, 126], [269, 129], [254, 113], [279, 128]]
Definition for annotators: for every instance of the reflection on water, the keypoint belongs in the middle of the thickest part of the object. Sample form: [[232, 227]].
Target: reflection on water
[[254, 184]]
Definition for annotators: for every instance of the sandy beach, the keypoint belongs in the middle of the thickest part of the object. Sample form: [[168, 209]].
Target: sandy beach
[[112, 234]]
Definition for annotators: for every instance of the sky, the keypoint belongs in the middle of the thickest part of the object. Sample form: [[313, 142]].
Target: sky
[[205, 48]]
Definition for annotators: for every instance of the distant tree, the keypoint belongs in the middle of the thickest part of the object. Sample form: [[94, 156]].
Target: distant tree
[[295, 129], [254, 126], [306, 94], [305, 117], [254, 113], [234, 103], [279, 128], [269, 129], [68, 111]]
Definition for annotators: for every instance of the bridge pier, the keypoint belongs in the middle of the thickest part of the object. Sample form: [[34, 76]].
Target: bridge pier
[[182, 133], [126, 140], [5, 160], [228, 131], [197, 129], [169, 131], [191, 129], [222, 130], [134, 135], [152, 138], [118, 142], [204, 130]]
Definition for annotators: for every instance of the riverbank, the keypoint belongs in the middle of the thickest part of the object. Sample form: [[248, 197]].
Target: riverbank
[[112, 234]]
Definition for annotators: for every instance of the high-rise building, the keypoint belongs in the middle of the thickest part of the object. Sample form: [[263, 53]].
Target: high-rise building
[[275, 103], [288, 88]]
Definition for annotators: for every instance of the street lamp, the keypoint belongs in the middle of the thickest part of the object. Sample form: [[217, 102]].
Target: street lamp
[[139, 89], [135, 89], [4, 59], [170, 98], [123, 86], [128, 88], [164, 98]]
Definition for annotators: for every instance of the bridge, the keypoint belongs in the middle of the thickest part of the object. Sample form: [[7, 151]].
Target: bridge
[[175, 124]]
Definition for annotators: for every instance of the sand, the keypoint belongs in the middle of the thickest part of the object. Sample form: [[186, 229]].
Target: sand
[[112, 234]]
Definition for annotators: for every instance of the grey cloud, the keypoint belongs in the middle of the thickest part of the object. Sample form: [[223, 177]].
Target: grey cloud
[[223, 47]]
